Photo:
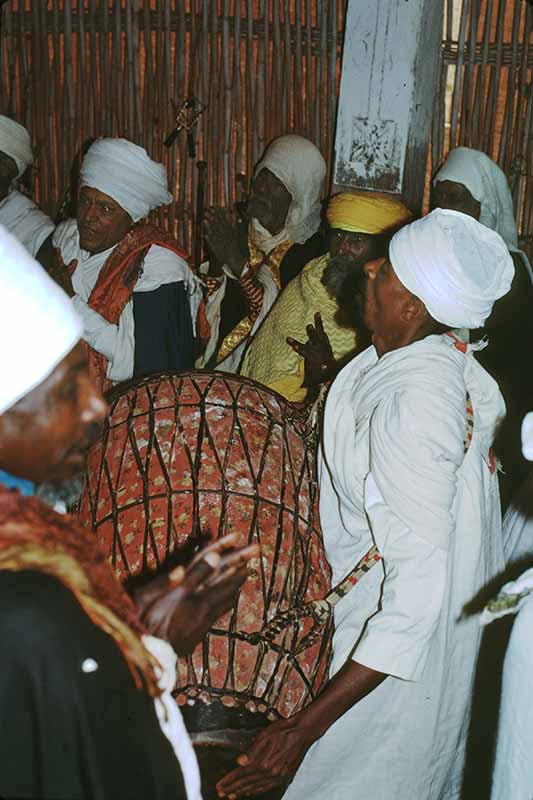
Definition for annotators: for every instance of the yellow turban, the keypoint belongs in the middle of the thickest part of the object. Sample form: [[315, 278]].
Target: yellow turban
[[367, 212]]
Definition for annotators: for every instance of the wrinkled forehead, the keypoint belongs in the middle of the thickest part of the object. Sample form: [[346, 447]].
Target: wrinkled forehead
[[99, 197], [266, 181]]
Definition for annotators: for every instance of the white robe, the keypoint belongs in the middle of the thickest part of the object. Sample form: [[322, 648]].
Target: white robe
[[25, 221], [117, 342], [513, 770], [393, 473]]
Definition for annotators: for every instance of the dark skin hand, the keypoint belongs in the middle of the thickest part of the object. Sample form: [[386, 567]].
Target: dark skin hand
[[181, 607], [61, 274], [226, 242], [278, 751], [320, 364]]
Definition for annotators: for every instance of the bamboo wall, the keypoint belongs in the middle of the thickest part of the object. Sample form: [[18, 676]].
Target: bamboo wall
[[485, 98], [73, 69]]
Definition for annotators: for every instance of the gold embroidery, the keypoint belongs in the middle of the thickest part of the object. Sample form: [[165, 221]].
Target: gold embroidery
[[241, 331]]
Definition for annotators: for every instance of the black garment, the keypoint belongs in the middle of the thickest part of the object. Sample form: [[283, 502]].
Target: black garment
[[66, 733], [508, 359], [164, 337], [45, 254], [234, 305]]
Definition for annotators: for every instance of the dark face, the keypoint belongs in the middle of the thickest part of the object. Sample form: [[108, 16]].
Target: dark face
[[45, 436], [456, 197], [344, 275], [354, 245], [101, 221], [388, 308], [8, 173], [269, 201]]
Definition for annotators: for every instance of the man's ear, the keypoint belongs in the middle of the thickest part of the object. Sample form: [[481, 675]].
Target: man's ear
[[412, 309]]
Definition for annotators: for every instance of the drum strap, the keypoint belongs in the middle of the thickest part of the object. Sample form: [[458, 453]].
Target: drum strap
[[321, 609]]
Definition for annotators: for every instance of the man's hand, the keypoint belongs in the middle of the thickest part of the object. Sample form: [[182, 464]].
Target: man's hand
[[319, 361], [182, 606], [225, 240], [271, 762], [61, 274]]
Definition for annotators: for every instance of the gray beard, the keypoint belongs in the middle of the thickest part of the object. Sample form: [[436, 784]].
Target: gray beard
[[338, 269], [65, 494]]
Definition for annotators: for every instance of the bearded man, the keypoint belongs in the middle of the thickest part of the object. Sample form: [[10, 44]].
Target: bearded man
[[85, 671], [129, 280], [407, 481], [250, 263], [18, 214], [359, 223]]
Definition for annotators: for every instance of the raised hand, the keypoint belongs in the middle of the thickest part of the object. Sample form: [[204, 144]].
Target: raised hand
[[181, 606], [225, 240], [319, 360]]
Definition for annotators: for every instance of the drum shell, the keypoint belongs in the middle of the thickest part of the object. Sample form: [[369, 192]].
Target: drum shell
[[204, 452]]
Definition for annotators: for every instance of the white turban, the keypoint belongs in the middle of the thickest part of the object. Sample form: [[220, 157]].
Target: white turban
[[488, 185], [15, 142], [454, 264], [301, 168], [38, 325], [126, 173]]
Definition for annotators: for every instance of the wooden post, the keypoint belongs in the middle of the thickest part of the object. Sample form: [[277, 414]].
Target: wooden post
[[388, 91]]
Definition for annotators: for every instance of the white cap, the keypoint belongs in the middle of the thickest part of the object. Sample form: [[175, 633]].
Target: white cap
[[454, 264], [38, 325]]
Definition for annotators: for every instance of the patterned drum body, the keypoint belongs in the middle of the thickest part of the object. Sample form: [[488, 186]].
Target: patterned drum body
[[214, 452]]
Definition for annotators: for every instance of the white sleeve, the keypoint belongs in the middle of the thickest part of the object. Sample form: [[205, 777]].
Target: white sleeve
[[397, 637], [115, 342]]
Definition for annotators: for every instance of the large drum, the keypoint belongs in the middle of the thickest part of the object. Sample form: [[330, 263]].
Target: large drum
[[205, 452]]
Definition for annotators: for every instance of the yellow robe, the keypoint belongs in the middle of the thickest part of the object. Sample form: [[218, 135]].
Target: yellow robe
[[269, 359]]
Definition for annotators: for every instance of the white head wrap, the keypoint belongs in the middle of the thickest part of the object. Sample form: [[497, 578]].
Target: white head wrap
[[300, 167], [488, 185], [15, 142], [454, 264], [527, 436], [38, 325], [125, 172]]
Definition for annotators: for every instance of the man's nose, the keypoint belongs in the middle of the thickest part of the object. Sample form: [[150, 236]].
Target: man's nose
[[90, 213], [368, 269]]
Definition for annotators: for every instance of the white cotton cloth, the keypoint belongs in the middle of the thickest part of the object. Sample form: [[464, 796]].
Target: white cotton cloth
[[487, 184], [38, 326], [16, 143], [513, 770], [170, 718], [393, 437], [117, 342], [455, 265], [301, 168], [25, 221], [125, 172], [527, 436]]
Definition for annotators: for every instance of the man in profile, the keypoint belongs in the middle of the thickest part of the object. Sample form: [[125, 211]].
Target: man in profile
[[85, 670]]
